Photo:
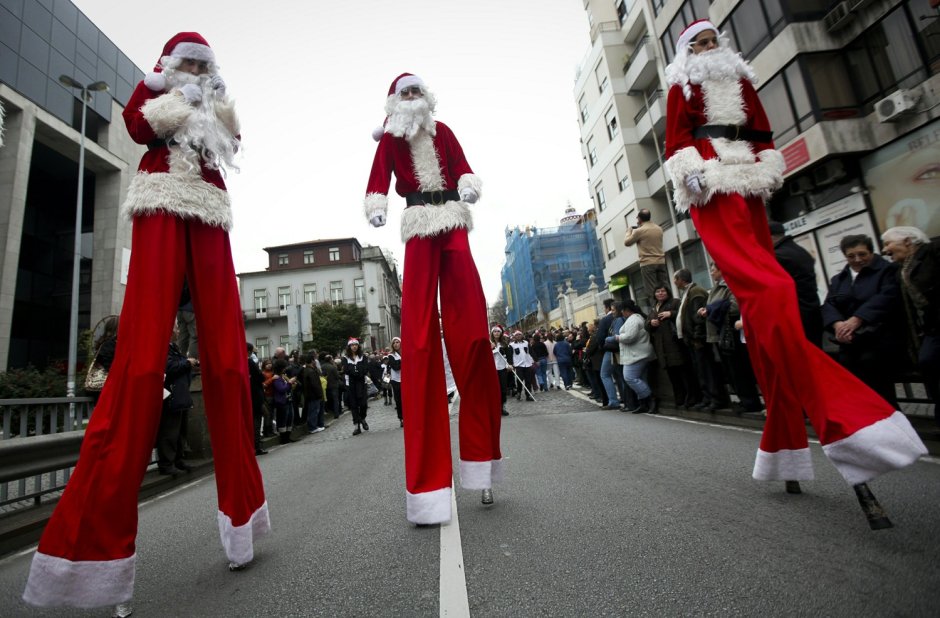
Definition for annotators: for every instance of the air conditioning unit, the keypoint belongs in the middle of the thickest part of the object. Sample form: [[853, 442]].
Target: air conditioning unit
[[895, 105], [828, 173], [839, 17], [801, 185]]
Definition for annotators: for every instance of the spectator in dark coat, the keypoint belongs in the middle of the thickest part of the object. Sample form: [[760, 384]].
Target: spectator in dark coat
[[862, 313], [334, 402], [313, 394], [670, 353], [690, 328], [179, 370], [563, 357], [800, 265], [256, 387]]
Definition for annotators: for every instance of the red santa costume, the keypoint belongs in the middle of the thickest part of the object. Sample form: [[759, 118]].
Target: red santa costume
[[181, 216], [717, 131], [436, 180]]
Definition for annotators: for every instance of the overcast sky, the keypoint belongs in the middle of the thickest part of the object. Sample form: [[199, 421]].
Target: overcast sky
[[310, 79]]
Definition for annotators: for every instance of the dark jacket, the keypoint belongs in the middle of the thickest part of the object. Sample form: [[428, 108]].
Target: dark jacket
[[538, 350], [375, 371], [255, 384], [310, 381], [178, 376], [800, 265], [331, 373], [663, 337], [874, 297], [563, 351], [925, 278], [105, 354], [693, 326]]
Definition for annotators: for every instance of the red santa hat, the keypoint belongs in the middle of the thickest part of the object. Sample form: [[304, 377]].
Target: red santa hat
[[405, 80], [352, 341], [394, 339], [498, 327], [691, 31], [183, 45]]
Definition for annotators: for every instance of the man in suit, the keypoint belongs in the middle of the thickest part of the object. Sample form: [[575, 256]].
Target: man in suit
[[690, 328]]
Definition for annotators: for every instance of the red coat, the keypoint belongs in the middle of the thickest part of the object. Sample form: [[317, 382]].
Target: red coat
[[165, 182], [424, 163], [729, 166]]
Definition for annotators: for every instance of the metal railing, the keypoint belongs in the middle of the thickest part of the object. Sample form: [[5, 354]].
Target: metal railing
[[39, 445]]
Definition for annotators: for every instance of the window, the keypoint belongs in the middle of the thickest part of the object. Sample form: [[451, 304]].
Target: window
[[261, 303], [283, 297], [285, 342], [753, 24], [310, 293], [359, 287], [282, 259], [623, 178], [602, 86], [263, 347], [609, 246], [582, 105], [886, 54], [601, 200], [601, 77], [334, 254], [611, 119], [336, 292], [622, 11], [787, 104], [308, 256], [592, 151], [927, 27]]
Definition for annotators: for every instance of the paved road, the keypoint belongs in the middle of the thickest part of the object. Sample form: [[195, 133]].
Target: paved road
[[602, 514]]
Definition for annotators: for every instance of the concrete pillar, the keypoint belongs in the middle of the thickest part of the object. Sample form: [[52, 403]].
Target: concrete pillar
[[570, 295], [15, 158]]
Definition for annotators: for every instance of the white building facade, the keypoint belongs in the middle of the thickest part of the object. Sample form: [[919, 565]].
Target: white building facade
[[276, 302]]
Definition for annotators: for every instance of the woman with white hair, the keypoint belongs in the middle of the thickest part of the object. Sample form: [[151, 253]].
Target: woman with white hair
[[919, 276]]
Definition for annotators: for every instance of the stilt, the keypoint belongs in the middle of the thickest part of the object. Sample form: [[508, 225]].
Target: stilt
[[877, 519], [793, 487]]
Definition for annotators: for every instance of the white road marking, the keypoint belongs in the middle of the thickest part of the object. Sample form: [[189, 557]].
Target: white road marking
[[453, 581]]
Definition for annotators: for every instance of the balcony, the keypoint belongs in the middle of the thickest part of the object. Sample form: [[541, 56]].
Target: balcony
[[652, 120], [271, 313], [640, 69]]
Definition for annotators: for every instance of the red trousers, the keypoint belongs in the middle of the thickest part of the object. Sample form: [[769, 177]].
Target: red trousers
[[444, 260], [861, 434], [86, 557]]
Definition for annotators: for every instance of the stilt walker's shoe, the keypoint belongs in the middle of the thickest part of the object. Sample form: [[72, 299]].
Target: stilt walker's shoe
[[793, 487], [487, 497], [122, 610]]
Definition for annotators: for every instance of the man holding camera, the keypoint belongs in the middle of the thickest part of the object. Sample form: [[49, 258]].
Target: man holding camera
[[648, 238]]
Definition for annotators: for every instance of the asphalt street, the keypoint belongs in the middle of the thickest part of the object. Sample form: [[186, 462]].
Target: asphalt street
[[602, 513]]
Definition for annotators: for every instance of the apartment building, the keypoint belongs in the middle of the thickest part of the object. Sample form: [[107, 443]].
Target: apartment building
[[39, 42], [852, 92], [276, 302]]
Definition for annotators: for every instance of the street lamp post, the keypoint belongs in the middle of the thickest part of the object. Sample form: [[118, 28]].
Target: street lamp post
[[662, 170], [77, 257]]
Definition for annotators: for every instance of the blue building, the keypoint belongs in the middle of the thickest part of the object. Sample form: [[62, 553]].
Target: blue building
[[540, 259]]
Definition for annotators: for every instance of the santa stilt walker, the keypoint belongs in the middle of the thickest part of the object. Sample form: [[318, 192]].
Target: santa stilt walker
[[721, 157], [437, 183], [181, 217]]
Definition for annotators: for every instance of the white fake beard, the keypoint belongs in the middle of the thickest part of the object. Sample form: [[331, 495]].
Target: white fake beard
[[409, 117], [718, 63], [203, 138]]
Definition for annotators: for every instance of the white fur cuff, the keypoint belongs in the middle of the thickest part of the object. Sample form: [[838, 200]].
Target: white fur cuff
[[166, 113], [889, 444], [184, 195], [430, 507], [783, 465], [471, 181], [55, 582], [375, 204], [480, 474], [238, 541]]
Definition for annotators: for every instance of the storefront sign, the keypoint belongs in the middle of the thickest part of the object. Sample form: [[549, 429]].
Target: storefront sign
[[825, 215], [795, 155]]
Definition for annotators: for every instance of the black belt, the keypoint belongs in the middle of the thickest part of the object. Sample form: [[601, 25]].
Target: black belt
[[160, 143], [435, 198], [731, 131]]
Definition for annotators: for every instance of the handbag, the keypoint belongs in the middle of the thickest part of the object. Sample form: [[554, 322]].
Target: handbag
[[95, 378]]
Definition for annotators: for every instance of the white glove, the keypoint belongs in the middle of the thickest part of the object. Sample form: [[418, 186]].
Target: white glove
[[192, 93], [695, 182], [468, 195], [218, 84], [377, 220]]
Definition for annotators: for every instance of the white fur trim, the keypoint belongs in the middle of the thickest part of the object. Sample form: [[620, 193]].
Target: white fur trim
[[378, 132], [431, 507], [889, 444], [238, 541], [375, 204], [430, 220], [54, 582], [724, 102], [408, 81], [426, 162], [783, 465], [760, 176], [480, 474], [184, 195], [471, 181], [155, 81], [166, 113], [225, 112], [193, 51]]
